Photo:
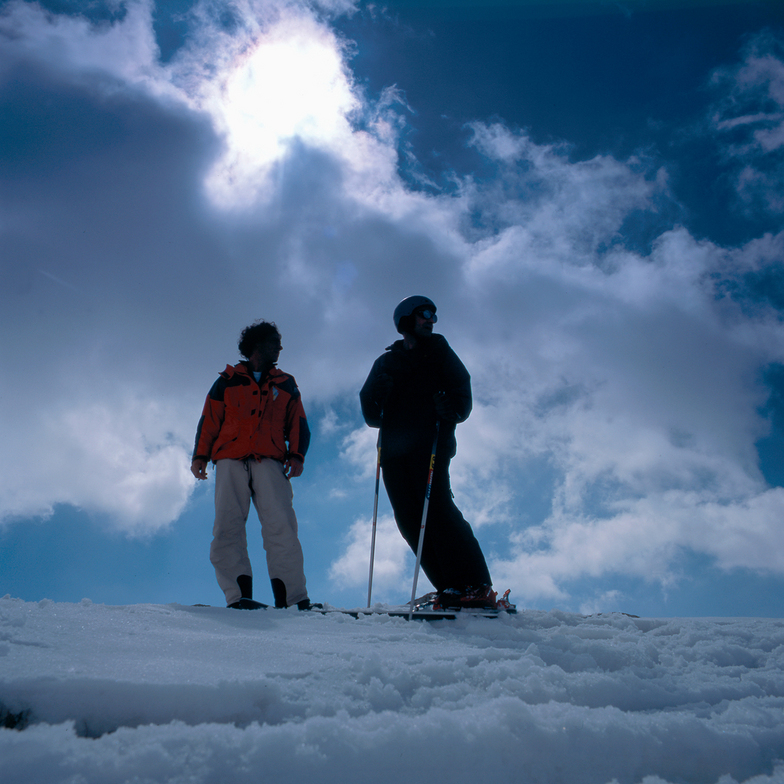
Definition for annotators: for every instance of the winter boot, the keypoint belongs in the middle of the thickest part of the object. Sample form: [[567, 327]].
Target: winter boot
[[247, 604], [279, 592], [245, 583], [481, 597], [306, 604], [505, 604]]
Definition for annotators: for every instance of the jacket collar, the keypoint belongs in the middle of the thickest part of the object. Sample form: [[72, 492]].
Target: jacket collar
[[423, 345], [244, 369]]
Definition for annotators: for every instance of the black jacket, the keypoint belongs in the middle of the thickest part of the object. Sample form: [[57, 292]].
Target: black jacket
[[400, 394]]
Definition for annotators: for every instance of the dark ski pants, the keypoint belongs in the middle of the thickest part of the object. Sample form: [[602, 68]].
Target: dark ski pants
[[451, 555]]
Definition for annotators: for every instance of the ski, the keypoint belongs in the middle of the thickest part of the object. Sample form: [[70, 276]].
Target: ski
[[403, 611], [424, 610], [242, 604]]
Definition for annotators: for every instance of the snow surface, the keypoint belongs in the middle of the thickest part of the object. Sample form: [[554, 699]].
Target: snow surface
[[151, 693]]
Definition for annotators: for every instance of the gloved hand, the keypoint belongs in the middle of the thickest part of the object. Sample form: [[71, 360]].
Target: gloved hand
[[444, 408]]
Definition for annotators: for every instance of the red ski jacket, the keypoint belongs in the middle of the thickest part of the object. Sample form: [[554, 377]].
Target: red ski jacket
[[243, 419]]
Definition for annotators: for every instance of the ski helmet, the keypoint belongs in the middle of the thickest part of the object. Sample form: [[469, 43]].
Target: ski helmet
[[405, 310]]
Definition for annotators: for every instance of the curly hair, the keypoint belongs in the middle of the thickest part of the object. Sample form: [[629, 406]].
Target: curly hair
[[256, 333]]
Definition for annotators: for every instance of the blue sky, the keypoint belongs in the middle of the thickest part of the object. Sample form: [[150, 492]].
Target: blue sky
[[590, 192]]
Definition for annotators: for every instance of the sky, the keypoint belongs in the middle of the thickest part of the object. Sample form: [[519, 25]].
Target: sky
[[590, 193], [171, 693]]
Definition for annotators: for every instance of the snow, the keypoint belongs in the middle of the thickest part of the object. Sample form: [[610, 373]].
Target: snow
[[152, 693]]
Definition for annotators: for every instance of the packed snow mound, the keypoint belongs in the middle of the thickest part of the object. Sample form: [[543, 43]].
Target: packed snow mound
[[150, 693]]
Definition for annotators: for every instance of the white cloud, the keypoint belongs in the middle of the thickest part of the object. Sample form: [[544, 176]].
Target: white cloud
[[359, 449], [750, 120], [617, 378], [118, 458], [643, 540], [289, 82], [390, 563], [79, 51], [638, 389]]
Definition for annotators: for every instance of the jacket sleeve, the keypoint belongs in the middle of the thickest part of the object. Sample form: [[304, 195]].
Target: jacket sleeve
[[369, 399], [297, 430], [457, 387], [210, 422]]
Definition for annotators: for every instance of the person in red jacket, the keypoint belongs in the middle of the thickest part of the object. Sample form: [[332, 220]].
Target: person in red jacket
[[253, 427]]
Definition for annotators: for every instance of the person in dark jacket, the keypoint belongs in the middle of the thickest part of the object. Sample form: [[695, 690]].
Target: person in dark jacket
[[253, 427], [417, 382]]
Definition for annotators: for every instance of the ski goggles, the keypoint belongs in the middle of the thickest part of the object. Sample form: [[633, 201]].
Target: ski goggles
[[427, 314]]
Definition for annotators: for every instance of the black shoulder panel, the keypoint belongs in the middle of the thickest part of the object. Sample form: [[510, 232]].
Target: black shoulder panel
[[289, 386]]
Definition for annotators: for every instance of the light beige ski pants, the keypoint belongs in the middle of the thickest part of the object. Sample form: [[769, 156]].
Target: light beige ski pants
[[237, 482]]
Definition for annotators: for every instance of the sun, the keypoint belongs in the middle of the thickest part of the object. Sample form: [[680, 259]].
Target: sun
[[292, 84]]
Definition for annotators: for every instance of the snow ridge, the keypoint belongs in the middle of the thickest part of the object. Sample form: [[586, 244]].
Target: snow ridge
[[151, 693]]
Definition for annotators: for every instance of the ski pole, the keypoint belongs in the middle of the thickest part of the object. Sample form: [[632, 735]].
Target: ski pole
[[375, 517], [424, 522]]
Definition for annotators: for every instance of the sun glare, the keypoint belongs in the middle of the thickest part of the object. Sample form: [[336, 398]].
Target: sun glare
[[291, 85]]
